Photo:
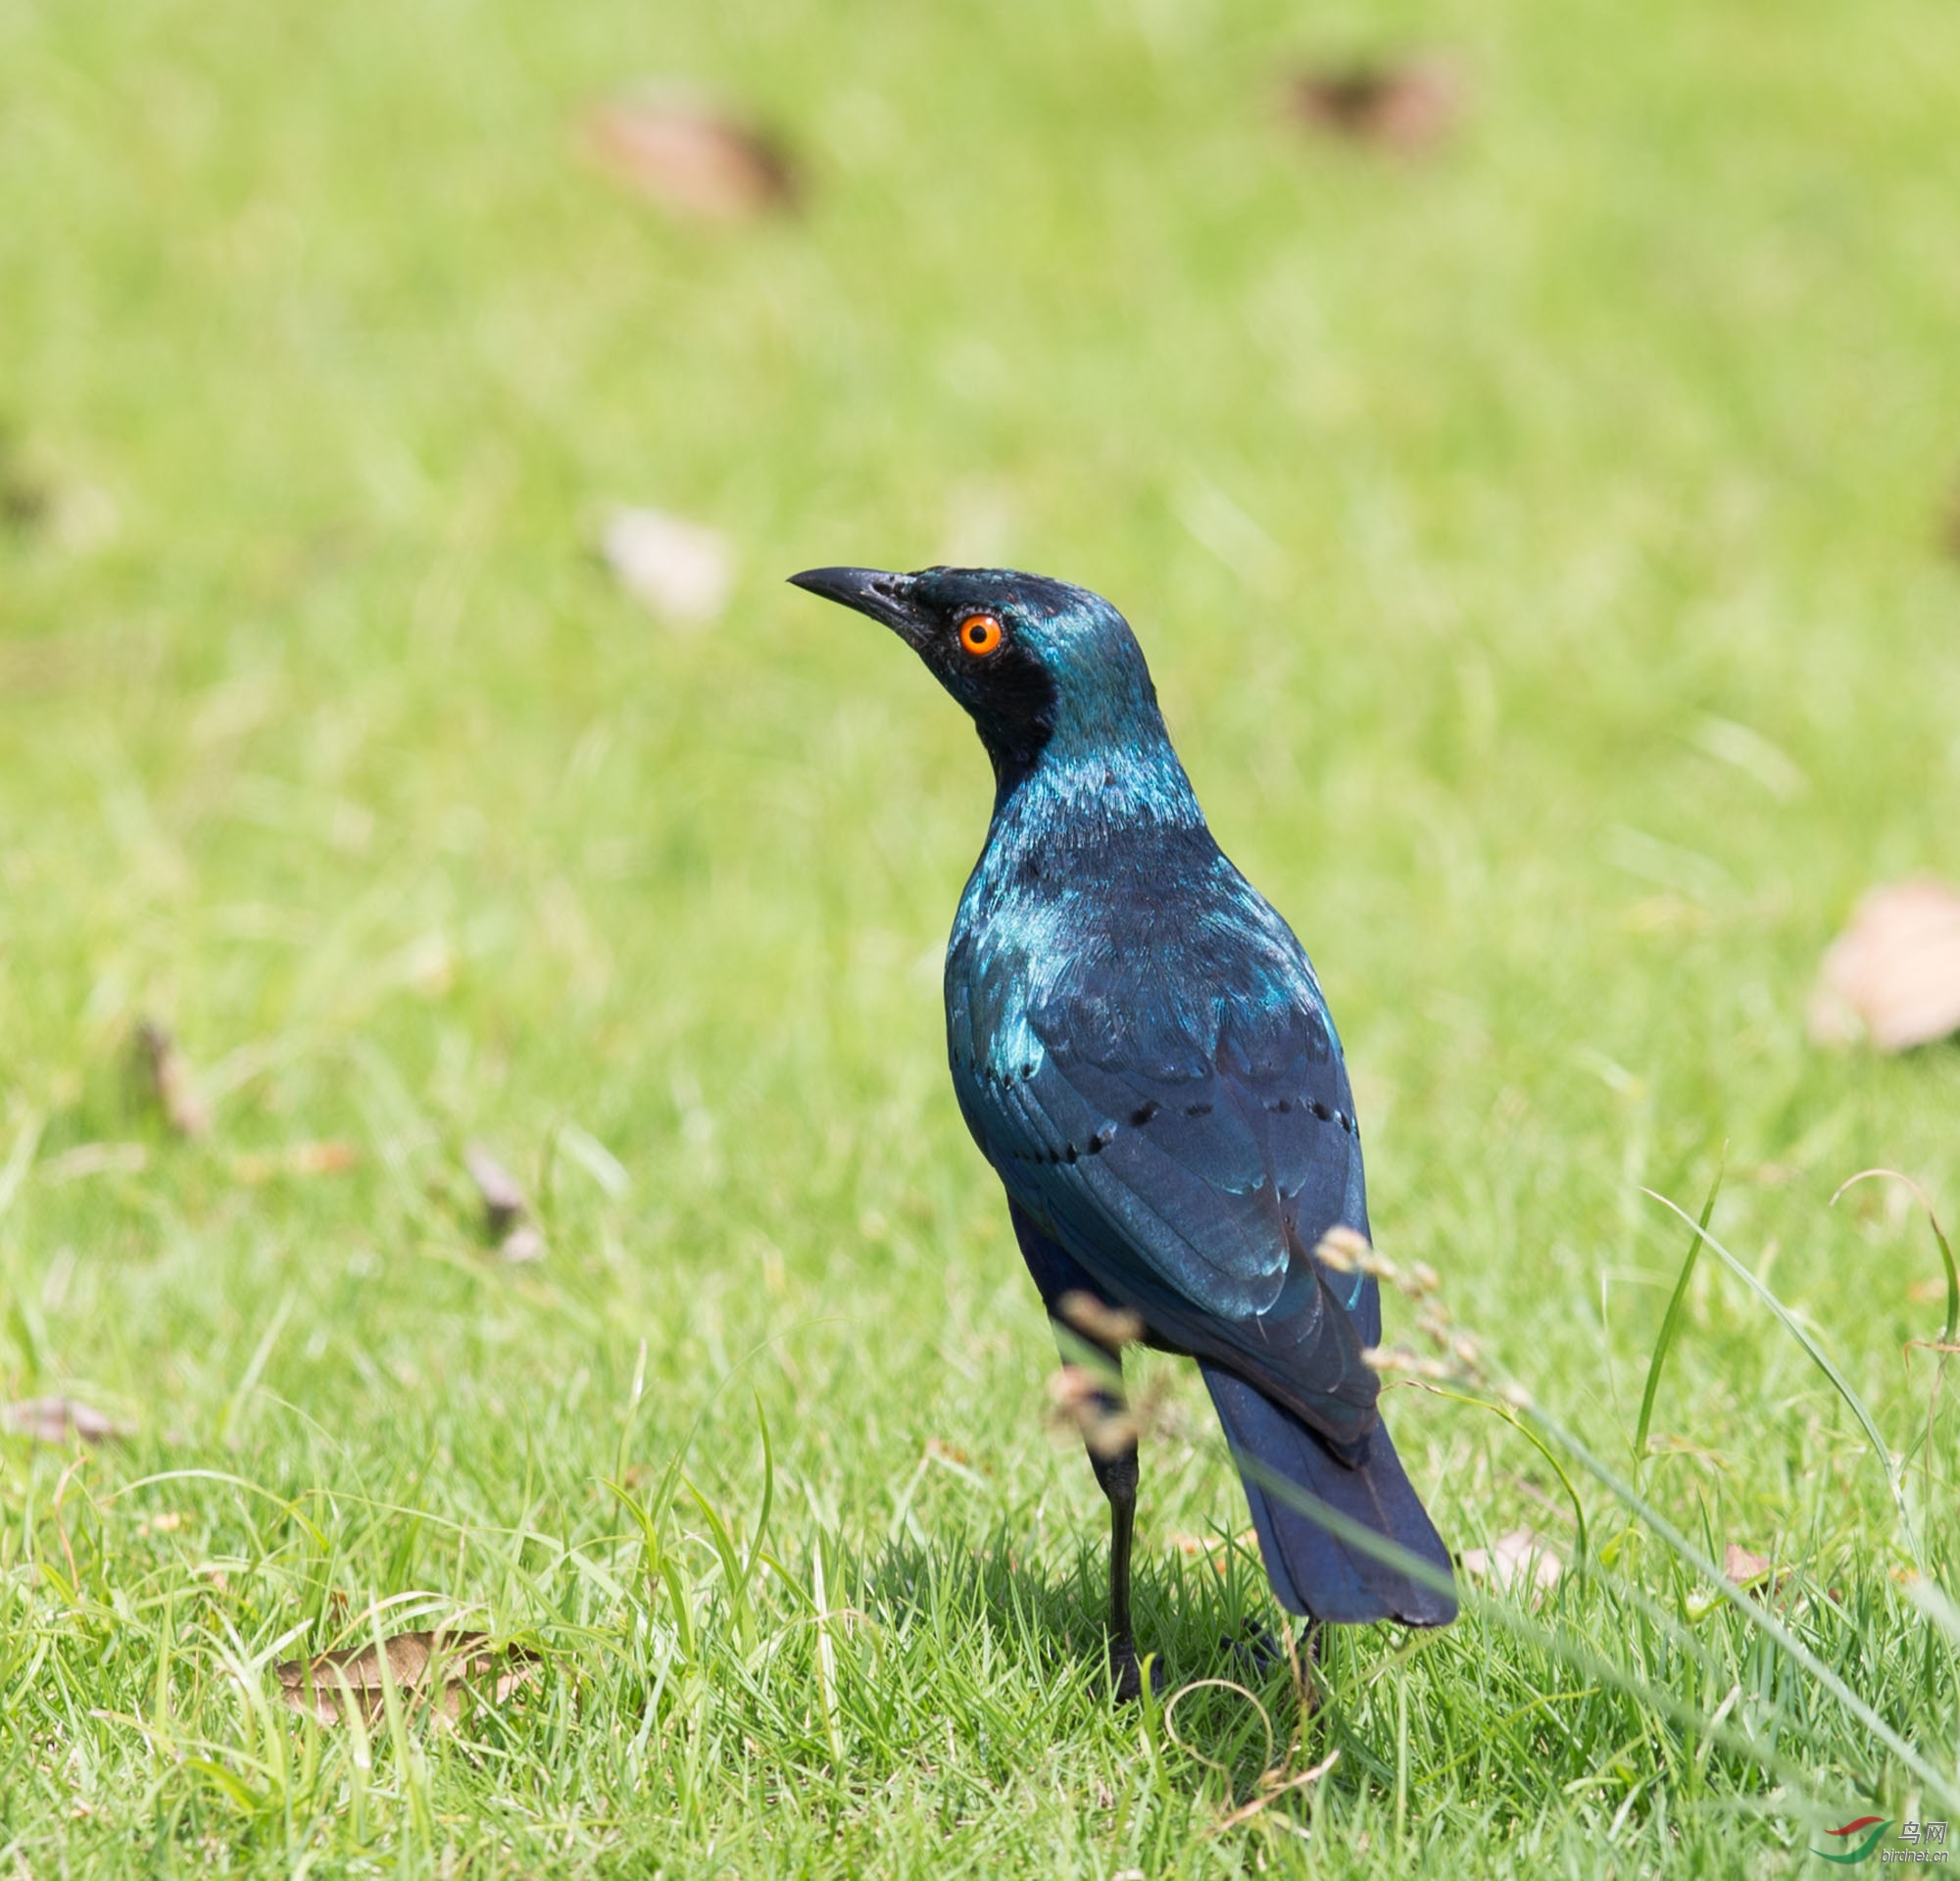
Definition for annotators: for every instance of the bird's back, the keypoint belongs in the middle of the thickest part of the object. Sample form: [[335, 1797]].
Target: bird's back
[[1142, 1050]]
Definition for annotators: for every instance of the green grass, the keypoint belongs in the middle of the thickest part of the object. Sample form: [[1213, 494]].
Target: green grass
[[1466, 507]]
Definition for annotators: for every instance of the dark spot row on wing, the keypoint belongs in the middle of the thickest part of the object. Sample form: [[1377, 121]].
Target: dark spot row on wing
[[987, 1075], [1143, 1114], [1324, 1110], [1068, 1153]]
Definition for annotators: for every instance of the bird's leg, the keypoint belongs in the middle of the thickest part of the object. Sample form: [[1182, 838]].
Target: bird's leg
[[1110, 1434], [1117, 1473]]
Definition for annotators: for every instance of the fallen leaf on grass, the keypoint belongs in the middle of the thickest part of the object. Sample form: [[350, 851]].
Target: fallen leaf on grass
[[688, 155], [429, 1669], [95, 1158], [1747, 1569], [504, 1207], [27, 499], [1521, 1559], [504, 1203], [168, 1074], [1892, 977], [37, 503], [681, 572], [522, 1244], [54, 1420], [1740, 1568], [298, 1159], [1406, 107]]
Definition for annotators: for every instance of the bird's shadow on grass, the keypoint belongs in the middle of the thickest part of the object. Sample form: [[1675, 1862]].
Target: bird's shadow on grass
[[1206, 1617]]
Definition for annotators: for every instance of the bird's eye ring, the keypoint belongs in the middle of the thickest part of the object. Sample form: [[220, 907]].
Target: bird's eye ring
[[979, 634]]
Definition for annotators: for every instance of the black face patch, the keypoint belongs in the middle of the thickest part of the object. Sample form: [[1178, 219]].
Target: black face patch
[[1012, 701], [1009, 692]]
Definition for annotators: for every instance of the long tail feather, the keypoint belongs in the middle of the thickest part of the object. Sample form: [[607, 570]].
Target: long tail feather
[[1312, 1570]]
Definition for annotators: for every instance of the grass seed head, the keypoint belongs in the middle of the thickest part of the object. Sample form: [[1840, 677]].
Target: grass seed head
[[1113, 1328]]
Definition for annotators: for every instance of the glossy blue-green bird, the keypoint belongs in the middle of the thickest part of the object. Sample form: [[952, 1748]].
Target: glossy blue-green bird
[[1142, 1050]]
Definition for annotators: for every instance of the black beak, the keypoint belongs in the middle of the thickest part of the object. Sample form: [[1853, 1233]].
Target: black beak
[[883, 596]]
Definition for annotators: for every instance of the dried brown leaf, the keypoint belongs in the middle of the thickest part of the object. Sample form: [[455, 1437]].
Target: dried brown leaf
[[691, 157], [52, 661], [504, 1202], [681, 572], [429, 1669], [297, 1158], [524, 1244], [1407, 106], [36, 501], [27, 500], [1892, 977], [1748, 1570], [95, 1158], [1111, 1327], [168, 1077], [54, 1420], [1523, 1558]]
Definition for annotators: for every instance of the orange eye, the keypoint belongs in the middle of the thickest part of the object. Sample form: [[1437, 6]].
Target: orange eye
[[979, 634]]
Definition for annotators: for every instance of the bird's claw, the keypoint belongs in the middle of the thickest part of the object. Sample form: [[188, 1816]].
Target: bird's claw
[[1126, 1672], [1256, 1650]]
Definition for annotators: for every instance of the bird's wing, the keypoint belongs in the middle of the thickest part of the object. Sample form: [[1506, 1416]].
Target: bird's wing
[[1178, 1112]]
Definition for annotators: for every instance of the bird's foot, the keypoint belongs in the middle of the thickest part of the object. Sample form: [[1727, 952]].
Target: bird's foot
[[1257, 1650], [1126, 1672]]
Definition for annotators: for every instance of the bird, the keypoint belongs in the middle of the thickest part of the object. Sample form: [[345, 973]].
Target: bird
[[1142, 1050]]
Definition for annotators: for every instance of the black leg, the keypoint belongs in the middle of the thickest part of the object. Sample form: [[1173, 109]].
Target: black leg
[[1117, 1475], [1106, 1429]]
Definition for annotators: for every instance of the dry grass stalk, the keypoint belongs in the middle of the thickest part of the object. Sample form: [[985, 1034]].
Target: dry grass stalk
[[1111, 1327]]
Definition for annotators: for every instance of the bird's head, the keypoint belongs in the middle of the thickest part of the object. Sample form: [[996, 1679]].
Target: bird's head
[[1038, 664]]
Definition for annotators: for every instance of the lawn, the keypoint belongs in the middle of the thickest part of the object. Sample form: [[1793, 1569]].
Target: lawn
[[1541, 544]]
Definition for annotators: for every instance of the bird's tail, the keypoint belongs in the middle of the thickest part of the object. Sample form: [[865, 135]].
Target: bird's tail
[[1311, 1569]]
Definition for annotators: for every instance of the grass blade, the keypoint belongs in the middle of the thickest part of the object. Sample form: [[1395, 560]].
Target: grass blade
[[1582, 1658], [1673, 1316], [1822, 1360], [1952, 1331]]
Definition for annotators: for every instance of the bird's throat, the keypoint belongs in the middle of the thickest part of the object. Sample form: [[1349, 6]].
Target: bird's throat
[[1070, 801]]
